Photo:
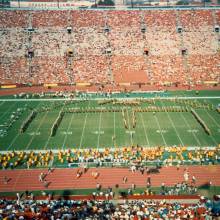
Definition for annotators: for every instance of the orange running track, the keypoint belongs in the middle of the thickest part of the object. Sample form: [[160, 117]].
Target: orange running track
[[21, 180]]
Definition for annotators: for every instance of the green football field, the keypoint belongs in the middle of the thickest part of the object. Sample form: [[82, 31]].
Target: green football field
[[101, 128]]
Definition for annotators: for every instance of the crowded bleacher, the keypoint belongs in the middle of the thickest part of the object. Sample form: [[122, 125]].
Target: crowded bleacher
[[61, 209], [148, 46], [109, 48]]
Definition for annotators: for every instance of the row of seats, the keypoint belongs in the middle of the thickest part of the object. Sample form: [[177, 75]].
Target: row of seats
[[88, 42], [104, 46], [106, 210], [120, 18]]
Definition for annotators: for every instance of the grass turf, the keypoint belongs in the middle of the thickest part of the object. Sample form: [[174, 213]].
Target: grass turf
[[95, 130], [207, 192]]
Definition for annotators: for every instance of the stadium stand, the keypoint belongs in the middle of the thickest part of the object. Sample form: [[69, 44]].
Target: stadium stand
[[111, 49], [86, 46], [32, 209], [41, 19]]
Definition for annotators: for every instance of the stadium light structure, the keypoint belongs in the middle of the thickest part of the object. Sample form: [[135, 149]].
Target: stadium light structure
[[217, 29]]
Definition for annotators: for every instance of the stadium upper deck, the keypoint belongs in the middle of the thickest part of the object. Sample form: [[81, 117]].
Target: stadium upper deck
[[126, 46]]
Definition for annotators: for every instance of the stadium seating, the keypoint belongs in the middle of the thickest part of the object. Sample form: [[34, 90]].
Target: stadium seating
[[125, 46], [60, 209], [194, 20], [46, 19]]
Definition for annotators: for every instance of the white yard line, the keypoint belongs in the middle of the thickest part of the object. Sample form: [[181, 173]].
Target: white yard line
[[18, 134], [148, 143], [13, 140], [184, 119], [131, 137], [114, 141], [214, 140], [41, 122], [218, 125], [174, 127], [99, 129], [47, 142], [158, 124], [66, 135], [2, 103], [48, 139], [6, 112], [82, 135]]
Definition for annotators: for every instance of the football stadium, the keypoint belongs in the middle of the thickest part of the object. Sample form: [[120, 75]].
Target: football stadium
[[109, 110]]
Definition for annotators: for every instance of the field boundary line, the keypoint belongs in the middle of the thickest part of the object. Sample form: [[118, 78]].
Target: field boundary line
[[122, 98]]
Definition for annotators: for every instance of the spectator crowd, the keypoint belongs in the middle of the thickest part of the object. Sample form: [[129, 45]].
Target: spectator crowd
[[103, 210], [109, 46]]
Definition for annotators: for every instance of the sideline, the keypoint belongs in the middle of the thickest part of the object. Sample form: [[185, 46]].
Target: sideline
[[123, 98]]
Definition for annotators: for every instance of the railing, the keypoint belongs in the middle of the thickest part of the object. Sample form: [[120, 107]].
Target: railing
[[151, 164], [56, 5], [156, 164]]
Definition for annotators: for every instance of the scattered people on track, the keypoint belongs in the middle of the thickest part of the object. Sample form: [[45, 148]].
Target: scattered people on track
[[95, 174], [41, 177], [186, 175], [98, 186], [6, 180], [125, 179], [193, 180], [49, 170], [78, 174]]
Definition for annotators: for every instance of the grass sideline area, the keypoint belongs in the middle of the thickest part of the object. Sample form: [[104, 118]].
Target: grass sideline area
[[202, 191], [88, 124]]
